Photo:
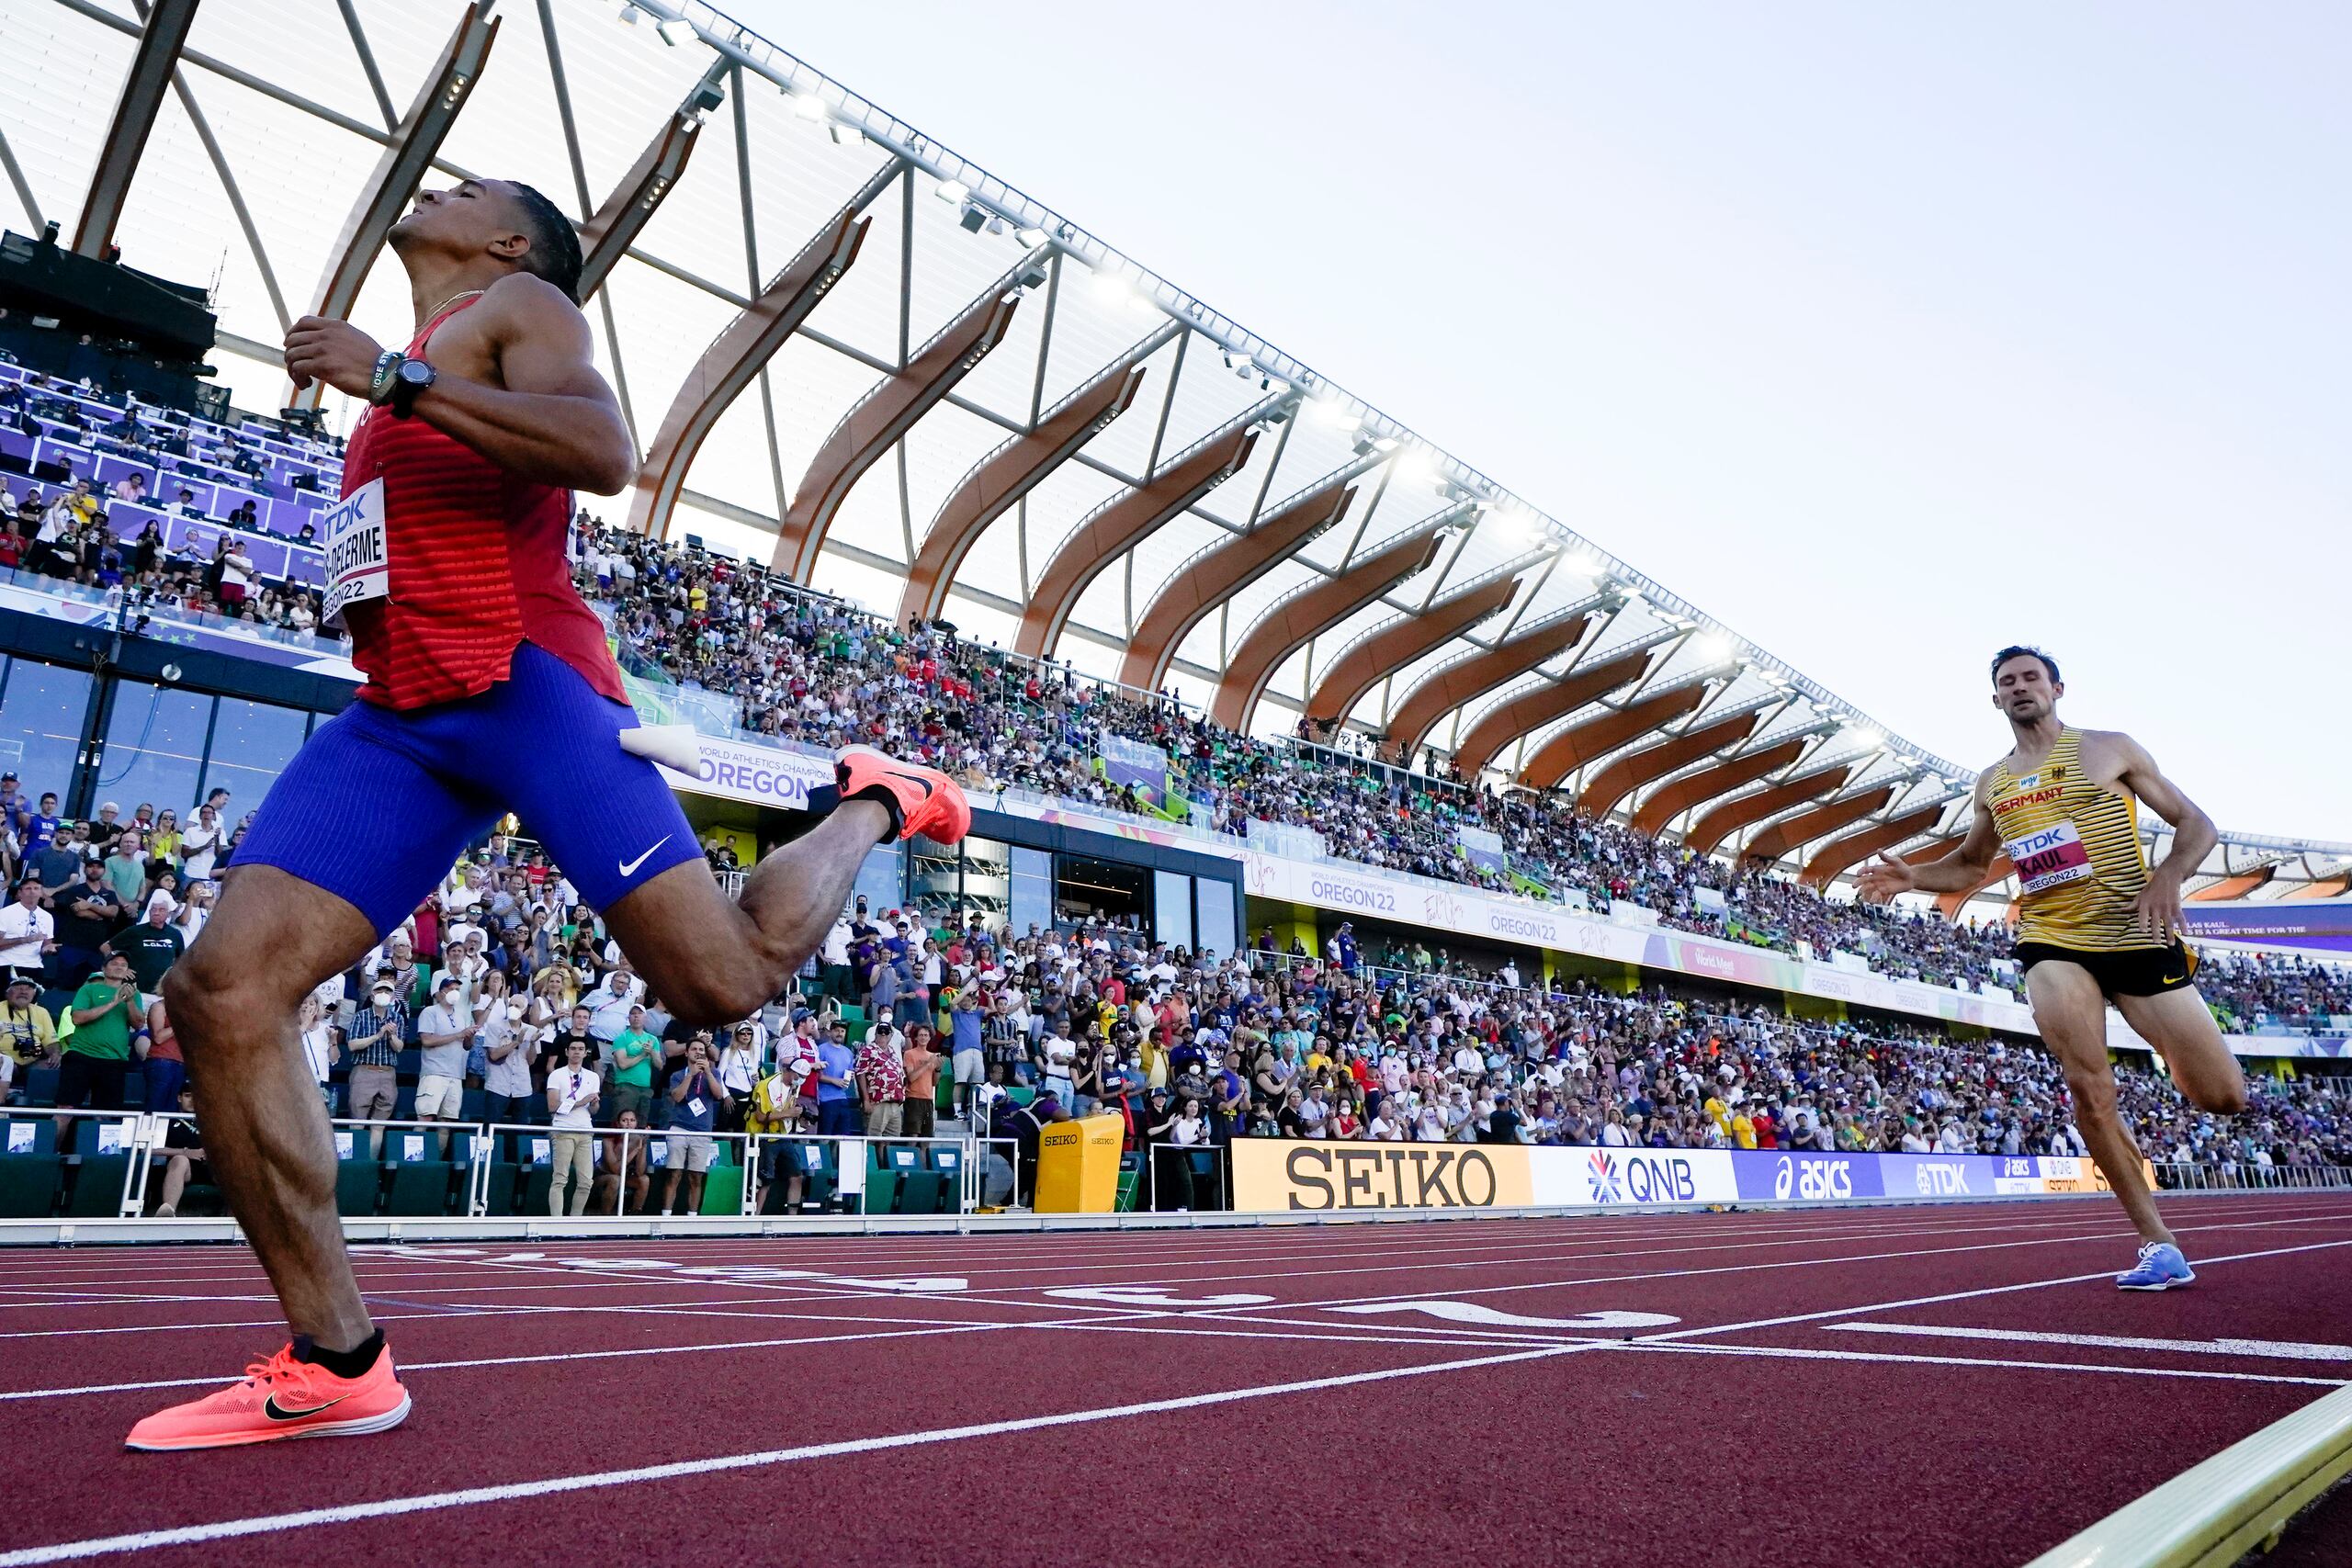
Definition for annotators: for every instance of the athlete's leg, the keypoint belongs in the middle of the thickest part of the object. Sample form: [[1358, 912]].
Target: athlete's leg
[[2179, 1024], [715, 961], [234, 999], [351, 838], [2071, 1016], [609, 819]]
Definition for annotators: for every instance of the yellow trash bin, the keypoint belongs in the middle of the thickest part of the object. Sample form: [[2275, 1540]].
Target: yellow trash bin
[[1077, 1165]]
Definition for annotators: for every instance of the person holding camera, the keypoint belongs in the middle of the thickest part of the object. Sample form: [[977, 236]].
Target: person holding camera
[[696, 1097]]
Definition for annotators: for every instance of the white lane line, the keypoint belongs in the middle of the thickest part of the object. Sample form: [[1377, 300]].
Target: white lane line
[[2103, 1234], [1969, 1295], [348, 1513], [2271, 1349], [1605, 1234], [904, 1328], [172, 1262], [1472, 1312], [1790, 1352]]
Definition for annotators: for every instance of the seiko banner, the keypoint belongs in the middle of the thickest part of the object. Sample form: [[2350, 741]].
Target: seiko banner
[[1288, 1176]]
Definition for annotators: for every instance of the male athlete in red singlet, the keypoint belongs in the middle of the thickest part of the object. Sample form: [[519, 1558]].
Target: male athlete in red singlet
[[488, 689]]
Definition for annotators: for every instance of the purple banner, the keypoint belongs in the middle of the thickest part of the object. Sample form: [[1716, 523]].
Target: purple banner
[[2317, 925]]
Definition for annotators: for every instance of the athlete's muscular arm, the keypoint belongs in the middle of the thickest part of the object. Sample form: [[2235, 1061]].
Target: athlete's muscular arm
[[2113, 755], [1963, 869], [552, 418]]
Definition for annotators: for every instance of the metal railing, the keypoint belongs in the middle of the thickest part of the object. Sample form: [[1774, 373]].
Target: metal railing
[[2247, 1176]]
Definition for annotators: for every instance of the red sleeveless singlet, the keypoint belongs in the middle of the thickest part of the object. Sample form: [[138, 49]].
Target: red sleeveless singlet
[[477, 564]]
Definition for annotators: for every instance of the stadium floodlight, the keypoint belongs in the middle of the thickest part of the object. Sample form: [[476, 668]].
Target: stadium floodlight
[[1416, 467], [629, 14], [1031, 236], [972, 217], [808, 106], [676, 31], [1714, 647], [953, 190], [1869, 740]]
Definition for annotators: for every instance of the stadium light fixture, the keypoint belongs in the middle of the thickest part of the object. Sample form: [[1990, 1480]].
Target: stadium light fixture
[[953, 190], [972, 219], [1714, 647], [1869, 740], [675, 30], [1415, 465], [1032, 236], [808, 106], [630, 14]]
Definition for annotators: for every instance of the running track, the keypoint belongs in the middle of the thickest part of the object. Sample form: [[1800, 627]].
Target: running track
[[1892, 1385]]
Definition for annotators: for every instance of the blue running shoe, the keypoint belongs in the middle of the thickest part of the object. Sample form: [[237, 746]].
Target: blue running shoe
[[2161, 1268]]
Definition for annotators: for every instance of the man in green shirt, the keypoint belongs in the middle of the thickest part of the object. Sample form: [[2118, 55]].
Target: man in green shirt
[[634, 1049], [97, 1053]]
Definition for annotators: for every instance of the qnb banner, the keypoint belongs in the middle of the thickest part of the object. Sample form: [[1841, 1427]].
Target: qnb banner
[[1283, 1175]]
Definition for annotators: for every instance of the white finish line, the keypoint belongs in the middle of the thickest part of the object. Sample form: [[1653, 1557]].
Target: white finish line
[[2276, 1349]]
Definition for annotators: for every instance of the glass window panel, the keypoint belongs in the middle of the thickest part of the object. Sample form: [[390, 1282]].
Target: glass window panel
[[1172, 908], [987, 879], [154, 748], [1033, 890], [40, 725], [881, 880], [252, 743], [1216, 916], [934, 879]]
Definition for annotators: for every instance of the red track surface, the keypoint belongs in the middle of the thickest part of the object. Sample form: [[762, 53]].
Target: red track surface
[[941, 1399]]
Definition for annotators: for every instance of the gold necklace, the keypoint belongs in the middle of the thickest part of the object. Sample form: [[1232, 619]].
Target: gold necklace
[[463, 294]]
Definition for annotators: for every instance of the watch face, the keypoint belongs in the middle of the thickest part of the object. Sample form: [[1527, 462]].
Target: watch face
[[415, 372]]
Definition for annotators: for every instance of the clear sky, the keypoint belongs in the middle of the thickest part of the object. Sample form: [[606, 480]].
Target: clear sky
[[1886, 334]]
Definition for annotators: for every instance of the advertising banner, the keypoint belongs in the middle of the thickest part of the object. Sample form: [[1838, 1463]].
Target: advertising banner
[[1570, 1177], [761, 775], [1796, 1176], [1291, 1176], [2306, 925]]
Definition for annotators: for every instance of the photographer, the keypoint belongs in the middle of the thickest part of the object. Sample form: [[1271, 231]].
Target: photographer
[[696, 1097]]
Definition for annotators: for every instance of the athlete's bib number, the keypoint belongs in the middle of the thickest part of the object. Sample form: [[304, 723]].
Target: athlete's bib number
[[2050, 858], [358, 558]]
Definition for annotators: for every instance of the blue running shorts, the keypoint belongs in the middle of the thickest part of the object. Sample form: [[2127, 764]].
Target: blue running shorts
[[379, 805]]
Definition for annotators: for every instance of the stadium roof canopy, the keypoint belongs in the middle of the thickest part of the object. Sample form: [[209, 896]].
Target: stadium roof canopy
[[847, 351]]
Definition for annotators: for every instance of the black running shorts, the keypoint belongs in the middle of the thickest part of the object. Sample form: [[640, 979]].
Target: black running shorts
[[2122, 972]]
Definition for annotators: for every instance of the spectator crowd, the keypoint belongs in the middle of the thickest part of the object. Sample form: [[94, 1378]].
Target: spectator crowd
[[502, 1000]]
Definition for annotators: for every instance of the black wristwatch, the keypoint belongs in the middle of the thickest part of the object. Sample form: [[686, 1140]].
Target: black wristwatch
[[412, 378]]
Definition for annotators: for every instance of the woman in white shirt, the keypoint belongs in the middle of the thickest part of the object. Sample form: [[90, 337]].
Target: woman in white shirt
[[572, 1089], [739, 1070], [1188, 1130]]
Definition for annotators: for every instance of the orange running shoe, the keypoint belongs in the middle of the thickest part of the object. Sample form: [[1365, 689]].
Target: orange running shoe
[[281, 1397], [920, 800]]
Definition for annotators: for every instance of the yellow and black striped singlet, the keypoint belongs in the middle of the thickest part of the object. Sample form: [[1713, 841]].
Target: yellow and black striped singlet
[[2076, 845]]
